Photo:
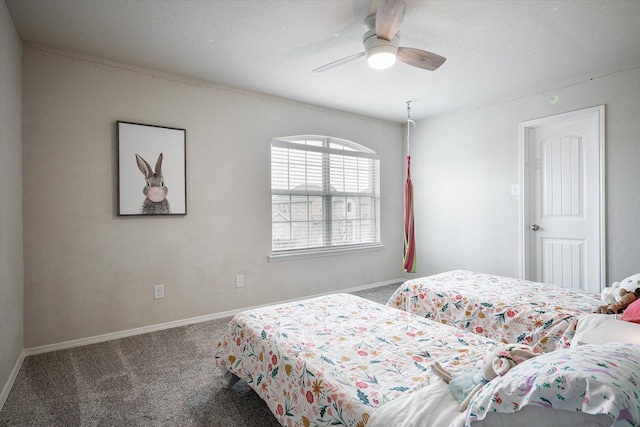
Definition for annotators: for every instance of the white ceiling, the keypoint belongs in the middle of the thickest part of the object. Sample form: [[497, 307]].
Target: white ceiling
[[496, 50]]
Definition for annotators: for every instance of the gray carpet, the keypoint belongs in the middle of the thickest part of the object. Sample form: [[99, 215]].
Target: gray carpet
[[164, 378]]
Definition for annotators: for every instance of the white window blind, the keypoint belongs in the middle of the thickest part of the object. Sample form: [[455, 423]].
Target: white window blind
[[325, 193]]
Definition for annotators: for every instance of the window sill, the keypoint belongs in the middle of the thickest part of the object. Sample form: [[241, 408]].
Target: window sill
[[291, 255]]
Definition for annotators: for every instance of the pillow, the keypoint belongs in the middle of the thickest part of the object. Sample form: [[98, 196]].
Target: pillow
[[587, 323], [631, 283], [612, 330], [632, 312], [591, 378]]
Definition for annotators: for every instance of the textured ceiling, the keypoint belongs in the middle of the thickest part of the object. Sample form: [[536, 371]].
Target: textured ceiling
[[496, 50]]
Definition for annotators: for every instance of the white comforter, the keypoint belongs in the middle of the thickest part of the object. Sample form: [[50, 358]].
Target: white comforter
[[431, 406], [434, 406]]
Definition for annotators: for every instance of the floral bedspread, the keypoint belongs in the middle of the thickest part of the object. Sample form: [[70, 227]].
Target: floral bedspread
[[505, 309], [333, 360]]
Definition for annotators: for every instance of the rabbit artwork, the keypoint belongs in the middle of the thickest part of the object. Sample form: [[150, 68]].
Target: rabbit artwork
[[155, 191]]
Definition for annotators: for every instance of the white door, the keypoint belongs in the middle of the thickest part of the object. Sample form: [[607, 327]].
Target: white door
[[563, 199]]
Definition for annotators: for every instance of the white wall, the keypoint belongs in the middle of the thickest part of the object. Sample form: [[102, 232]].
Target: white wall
[[89, 272], [465, 164], [11, 267]]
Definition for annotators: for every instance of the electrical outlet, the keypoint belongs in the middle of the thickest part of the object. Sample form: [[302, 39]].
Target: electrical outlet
[[239, 281], [158, 291]]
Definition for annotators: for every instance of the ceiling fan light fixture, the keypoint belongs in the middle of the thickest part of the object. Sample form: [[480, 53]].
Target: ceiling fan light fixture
[[381, 53], [381, 57]]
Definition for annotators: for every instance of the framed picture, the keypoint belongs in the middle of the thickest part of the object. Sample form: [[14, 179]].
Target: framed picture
[[152, 170]]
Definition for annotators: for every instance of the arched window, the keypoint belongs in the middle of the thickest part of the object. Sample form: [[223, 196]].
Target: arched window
[[325, 194]]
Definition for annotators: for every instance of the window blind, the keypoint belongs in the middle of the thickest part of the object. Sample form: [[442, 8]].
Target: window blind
[[324, 194]]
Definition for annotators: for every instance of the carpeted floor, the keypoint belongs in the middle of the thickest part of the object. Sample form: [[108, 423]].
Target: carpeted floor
[[164, 378]]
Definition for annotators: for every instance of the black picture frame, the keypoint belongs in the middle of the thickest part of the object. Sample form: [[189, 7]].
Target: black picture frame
[[152, 169]]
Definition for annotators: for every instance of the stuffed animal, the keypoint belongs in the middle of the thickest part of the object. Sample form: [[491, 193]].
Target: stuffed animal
[[611, 294], [616, 297], [465, 384], [608, 295], [626, 298]]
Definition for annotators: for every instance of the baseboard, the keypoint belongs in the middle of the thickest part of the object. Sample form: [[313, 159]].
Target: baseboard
[[127, 333], [12, 378], [161, 326]]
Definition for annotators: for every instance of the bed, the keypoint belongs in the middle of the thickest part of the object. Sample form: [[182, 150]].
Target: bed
[[334, 360], [505, 309], [341, 360]]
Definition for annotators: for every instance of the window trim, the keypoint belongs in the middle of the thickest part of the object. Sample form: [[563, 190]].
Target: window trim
[[323, 252], [351, 149]]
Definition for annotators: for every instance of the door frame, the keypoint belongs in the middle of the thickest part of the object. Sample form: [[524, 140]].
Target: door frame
[[524, 205]]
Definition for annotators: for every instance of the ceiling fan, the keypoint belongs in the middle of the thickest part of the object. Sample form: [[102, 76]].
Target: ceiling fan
[[381, 42]]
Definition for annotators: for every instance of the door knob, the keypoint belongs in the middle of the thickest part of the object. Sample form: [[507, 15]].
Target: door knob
[[535, 227]]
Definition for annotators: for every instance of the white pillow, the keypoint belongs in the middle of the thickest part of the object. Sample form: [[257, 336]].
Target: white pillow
[[587, 323], [631, 283], [590, 378], [611, 330]]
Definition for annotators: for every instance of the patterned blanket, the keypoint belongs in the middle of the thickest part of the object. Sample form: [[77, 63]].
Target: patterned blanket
[[504, 309], [332, 361]]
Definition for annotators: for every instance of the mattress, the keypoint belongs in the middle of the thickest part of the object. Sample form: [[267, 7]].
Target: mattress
[[505, 309]]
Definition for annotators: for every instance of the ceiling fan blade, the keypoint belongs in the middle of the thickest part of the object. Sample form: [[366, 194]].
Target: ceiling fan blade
[[420, 58], [389, 17], [339, 62]]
